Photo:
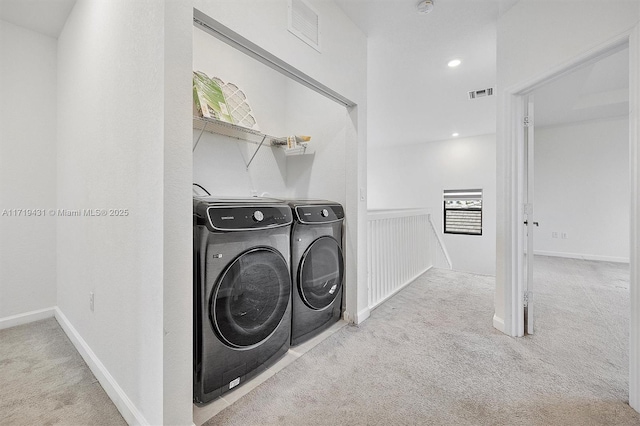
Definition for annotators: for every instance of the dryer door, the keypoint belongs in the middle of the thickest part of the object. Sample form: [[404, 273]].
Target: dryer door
[[251, 297], [321, 272]]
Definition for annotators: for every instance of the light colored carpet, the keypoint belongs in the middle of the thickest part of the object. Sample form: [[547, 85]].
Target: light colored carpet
[[44, 381], [430, 356], [427, 356]]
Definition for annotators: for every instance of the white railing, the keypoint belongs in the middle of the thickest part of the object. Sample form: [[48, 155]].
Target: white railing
[[398, 251], [441, 257], [402, 245]]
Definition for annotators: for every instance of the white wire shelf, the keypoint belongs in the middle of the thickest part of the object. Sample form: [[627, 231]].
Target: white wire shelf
[[212, 125]]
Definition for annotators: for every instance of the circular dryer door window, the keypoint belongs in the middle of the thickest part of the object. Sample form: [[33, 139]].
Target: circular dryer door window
[[251, 297], [320, 274]]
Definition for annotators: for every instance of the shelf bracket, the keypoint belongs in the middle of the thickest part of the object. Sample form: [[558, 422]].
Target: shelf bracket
[[264, 138], [199, 136]]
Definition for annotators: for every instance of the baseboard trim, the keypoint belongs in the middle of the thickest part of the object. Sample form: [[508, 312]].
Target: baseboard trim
[[498, 323], [362, 315], [27, 317], [126, 407], [582, 256]]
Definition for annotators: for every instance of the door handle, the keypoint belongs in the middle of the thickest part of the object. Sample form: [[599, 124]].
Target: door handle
[[526, 222]]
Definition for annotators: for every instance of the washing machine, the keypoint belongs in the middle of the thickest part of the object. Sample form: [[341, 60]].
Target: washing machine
[[317, 267], [242, 290]]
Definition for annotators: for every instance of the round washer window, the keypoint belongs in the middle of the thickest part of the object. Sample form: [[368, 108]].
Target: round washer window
[[321, 272], [251, 297]]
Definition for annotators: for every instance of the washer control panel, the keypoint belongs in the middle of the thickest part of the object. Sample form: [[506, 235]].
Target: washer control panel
[[258, 216], [242, 218], [319, 213]]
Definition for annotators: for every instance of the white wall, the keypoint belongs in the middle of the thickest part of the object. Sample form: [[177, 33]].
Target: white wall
[[582, 189], [344, 48], [110, 156], [414, 176], [220, 162], [281, 107], [536, 39], [321, 171], [27, 170], [177, 293]]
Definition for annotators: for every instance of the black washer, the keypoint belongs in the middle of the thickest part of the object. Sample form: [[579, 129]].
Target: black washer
[[241, 290], [250, 298]]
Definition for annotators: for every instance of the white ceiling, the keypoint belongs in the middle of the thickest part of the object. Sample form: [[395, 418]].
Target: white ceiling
[[42, 16], [597, 91], [414, 97]]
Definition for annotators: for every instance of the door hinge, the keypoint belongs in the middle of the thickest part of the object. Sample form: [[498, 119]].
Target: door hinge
[[527, 122], [526, 297]]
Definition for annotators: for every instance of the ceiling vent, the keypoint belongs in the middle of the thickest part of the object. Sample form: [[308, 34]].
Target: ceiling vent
[[304, 23], [481, 93]]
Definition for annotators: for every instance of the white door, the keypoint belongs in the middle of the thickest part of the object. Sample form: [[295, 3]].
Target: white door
[[529, 219]]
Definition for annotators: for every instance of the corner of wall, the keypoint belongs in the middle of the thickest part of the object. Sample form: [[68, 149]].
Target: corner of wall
[[124, 404], [27, 317], [362, 316], [498, 323]]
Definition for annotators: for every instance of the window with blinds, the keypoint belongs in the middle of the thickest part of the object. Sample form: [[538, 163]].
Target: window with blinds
[[463, 211]]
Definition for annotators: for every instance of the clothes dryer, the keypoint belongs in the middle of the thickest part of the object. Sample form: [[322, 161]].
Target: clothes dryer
[[242, 290], [317, 267]]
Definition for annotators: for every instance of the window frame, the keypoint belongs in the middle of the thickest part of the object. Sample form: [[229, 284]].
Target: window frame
[[465, 195]]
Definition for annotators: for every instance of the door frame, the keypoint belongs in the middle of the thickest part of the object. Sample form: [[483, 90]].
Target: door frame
[[529, 212], [510, 243]]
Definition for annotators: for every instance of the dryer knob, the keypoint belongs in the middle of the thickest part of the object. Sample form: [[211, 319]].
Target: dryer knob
[[258, 216], [324, 212]]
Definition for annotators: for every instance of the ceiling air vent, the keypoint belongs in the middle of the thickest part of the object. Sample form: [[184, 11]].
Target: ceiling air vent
[[481, 93], [304, 23]]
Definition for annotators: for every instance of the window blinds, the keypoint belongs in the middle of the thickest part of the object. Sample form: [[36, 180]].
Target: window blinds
[[463, 211]]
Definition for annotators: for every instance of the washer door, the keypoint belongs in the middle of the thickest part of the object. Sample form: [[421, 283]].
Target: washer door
[[250, 297], [321, 272]]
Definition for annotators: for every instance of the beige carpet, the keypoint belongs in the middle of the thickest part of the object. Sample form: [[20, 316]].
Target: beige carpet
[[44, 381], [429, 356]]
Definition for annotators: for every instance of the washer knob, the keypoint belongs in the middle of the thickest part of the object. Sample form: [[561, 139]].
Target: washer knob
[[324, 212], [258, 216]]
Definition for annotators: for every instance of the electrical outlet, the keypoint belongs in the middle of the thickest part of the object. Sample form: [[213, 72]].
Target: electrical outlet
[[554, 235], [91, 300], [564, 236]]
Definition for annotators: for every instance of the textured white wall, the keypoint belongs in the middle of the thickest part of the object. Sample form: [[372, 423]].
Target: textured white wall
[[321, 172], [177, 219], [582, 189], [534, 39], [414, 176], [110, 156], [27, 169], [220, 162], [342, 63], [281, 107]]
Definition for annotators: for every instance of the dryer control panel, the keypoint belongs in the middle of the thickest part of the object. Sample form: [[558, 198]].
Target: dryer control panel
[[319, 213]]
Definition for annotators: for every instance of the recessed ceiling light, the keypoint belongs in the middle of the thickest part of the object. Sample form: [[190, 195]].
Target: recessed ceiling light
[[424, 6], [454, 63], [455, 135]]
